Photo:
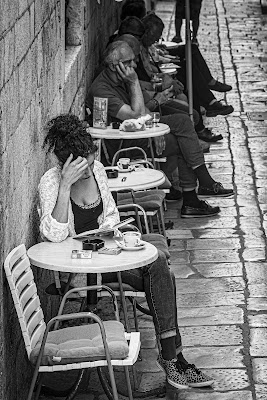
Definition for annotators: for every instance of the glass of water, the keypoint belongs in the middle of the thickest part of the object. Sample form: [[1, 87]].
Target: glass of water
[[156, 118]]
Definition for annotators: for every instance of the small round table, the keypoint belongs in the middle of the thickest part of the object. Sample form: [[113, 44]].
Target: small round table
[[57, 257], [149, 133], [139, 179]]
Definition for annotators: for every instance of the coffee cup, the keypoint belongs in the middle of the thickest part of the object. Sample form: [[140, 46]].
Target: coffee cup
[[131, 239], [123, 163]]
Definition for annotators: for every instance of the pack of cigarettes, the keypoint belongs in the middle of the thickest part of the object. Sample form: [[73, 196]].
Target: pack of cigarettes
[[81, 254], [110, 250]]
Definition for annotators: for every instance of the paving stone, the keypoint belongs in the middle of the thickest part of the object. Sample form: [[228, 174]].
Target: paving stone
[[254, 254], [216, 233], [210, 316], [258, 337], [216, 270], [210, 285], [209, 222], [216, 255], [177, 244], [179, 234], [207, 299], [257, 304], [249, 211], [148, 362], [258, 321], [254, 243], [261, 392], [258, 290], [259, 366], [203, 395], [179, 257], [211, 335], [256, 272], [250, 222], [181, 270], [150, 381], [229, 379], [213, 244], [215, 357]]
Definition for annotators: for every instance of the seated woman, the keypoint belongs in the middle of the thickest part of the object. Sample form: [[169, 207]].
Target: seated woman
[[74, 197]]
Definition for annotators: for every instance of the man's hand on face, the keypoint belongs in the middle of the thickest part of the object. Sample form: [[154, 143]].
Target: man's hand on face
[[127, 73]]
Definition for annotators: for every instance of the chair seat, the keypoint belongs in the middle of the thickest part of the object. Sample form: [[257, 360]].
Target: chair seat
[[141, 194], [159, 241], [77, 344], [149, 203]]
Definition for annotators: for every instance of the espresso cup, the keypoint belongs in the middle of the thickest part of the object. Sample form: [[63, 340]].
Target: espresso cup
[[123, 163], [131, 239]]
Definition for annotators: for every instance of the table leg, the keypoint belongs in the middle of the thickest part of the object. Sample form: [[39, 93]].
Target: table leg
[[123, 300], [152, 151], [91, 294]]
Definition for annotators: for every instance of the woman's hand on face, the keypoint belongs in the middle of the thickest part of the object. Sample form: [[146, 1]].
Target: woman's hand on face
[[72, 171]]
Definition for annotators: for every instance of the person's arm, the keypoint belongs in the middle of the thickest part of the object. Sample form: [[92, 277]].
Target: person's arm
[[54, 196], [137, 106], [110, 215]]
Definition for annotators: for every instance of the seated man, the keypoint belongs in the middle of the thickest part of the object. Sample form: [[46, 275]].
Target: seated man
[[119, 83]]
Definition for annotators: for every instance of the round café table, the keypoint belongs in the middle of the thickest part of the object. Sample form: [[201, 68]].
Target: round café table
[[138, 179], [57, 257], [149, 133]]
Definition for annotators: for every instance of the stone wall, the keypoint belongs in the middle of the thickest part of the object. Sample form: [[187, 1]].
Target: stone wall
[[39, 78]]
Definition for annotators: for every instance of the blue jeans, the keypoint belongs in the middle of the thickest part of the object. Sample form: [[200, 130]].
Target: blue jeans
[[158, 283]]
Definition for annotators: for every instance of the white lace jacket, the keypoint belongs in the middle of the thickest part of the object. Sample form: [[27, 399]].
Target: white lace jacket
[[55, 231]]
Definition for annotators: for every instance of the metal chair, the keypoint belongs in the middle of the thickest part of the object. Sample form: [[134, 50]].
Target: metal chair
[[41, 343]]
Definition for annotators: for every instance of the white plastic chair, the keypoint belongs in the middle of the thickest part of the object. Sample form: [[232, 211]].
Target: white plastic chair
[[37, 335]]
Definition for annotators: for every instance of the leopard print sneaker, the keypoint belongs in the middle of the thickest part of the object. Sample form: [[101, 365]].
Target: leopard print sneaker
[[174, 374], [196, 378]]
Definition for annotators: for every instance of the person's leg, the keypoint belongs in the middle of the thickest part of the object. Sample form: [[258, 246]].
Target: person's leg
[[191, 162]]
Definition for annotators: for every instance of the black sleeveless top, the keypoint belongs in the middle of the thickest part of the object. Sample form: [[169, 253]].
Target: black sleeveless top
[[85, 217]]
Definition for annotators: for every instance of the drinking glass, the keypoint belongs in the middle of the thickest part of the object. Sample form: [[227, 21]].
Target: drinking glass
[[156, 118]]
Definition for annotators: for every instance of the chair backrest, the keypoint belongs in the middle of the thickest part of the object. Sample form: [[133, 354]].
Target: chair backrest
[[24, 293]]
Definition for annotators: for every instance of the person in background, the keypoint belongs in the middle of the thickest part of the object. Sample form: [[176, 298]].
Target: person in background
[[195, 7], [118, 82], [74, 197]]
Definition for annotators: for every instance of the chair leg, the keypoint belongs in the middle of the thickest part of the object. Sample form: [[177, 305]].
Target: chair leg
[[135, 315], [158, 222], [128, 382], [162, 221], [39, 386], [33, 382]]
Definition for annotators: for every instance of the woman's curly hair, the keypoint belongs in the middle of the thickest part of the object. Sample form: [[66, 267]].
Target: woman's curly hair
[[67, 134]]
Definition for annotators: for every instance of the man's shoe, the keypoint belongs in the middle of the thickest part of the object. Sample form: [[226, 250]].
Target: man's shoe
[[177, 39], [207, 136], [196, 378], [218, 108], [174, 195], [174, 374], [204, 146], [217, 190], [203, 210], [220, 87], [195, 41]]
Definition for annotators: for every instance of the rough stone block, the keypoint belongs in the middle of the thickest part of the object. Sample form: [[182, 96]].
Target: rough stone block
[[258, 342], [261, 392], [257, 304], [230, 315], [202, 256], [215, 357], [214, 244], [216, 270], [259, 366]]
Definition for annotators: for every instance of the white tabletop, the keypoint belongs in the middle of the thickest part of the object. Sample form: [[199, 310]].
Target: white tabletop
[[140, 179], [57, 257], [109, 133]]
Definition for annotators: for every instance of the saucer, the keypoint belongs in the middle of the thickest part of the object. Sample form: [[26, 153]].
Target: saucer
[[129, 169], [135, 248]]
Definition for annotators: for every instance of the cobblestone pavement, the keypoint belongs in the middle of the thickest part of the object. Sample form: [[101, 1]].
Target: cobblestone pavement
[[220, 262]]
